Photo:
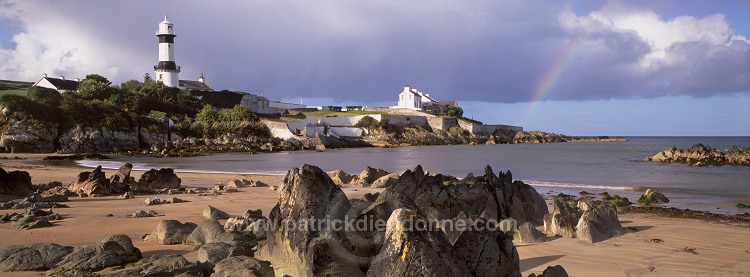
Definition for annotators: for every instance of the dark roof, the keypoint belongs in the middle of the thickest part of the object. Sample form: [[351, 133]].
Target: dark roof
[[194, 85], [61, 84]]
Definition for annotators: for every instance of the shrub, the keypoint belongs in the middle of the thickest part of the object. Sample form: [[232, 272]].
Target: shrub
[[23, 109], [367, 122], [45, 96]]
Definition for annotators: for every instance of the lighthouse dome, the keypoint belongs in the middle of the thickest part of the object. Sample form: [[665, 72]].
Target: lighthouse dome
[[165, 27]]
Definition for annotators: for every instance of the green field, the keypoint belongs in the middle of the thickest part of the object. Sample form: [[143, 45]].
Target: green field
[[14, 87], [21, 92]]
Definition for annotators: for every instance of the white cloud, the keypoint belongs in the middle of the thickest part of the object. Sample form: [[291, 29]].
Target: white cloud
[[495, 51]]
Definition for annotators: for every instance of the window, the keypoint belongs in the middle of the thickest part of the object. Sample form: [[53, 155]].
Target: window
[[161, 77]]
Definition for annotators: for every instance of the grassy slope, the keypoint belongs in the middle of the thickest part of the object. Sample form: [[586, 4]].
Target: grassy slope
[[14, 87]]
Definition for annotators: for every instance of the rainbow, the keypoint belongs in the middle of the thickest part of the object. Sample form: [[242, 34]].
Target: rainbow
[[549, 79]]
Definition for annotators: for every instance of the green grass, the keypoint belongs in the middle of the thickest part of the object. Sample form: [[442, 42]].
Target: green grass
[[11, 85], [21, 92], [334, 113]]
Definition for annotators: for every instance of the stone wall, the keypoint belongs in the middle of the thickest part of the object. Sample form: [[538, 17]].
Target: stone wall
[[442, 123], [480, 129], [259, 105]]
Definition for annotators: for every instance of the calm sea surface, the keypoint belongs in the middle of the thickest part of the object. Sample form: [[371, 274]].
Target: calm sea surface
[[617, 167]]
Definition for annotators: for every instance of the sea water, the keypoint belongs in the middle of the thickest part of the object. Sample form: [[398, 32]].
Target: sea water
[[617, 167]]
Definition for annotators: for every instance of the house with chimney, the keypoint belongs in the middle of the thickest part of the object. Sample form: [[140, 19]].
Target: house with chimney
[[59, 84], [415, 99]]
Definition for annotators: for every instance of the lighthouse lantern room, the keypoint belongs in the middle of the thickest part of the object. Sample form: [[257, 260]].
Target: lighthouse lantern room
[[166, 70]]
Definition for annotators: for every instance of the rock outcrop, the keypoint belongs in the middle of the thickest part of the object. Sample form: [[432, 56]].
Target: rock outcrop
[[20, 137], [527, 233], [307, 193], [703, 155], [385, 181], [652, 196], [15, 185], [112, 251], [171, 232], [243, 266], [213, 213], [490, 197], [121, 181], [340, 177], [160, 265], [599, 223], [563, 219], [93, 183], [159, 179], [369, 175], [35, 257]]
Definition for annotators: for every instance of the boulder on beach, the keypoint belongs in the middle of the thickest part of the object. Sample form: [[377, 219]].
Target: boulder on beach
[[385, 181], [527, 233], [369, 175], [160, 265], [212, 253], [121, 181], [112, 251], [563, 219], [599, 223], [552, 271], [653, 196], [213, 213], [340, 177], [171, 232], [35, 257], [307, 193], [243, 266], [159, 179], [15, 185], [211, 230], [91, 183]]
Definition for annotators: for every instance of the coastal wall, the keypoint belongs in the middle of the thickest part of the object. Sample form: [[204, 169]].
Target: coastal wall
[[442, 123], [402, 119], [278, 129], [480, 129]]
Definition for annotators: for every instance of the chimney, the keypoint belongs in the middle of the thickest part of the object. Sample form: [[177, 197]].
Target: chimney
[[202, 78], [78, 80], [62, 77], [44, 75]]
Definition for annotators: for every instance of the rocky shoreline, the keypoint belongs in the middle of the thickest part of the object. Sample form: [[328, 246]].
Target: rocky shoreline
[[19, 137], [703, 155]]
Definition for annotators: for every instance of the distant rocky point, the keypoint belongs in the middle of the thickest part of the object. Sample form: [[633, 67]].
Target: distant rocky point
[[703, 155]]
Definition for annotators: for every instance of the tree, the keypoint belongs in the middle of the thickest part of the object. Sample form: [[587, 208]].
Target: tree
[[94, 89], [455, 111], [45, 96], [97, 77]]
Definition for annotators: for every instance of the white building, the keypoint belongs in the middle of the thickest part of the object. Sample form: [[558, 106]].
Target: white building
[[58, 84], [166, 70], [410, 99]]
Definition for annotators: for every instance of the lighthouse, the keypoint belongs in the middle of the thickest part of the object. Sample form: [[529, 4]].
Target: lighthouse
[[166, 70]]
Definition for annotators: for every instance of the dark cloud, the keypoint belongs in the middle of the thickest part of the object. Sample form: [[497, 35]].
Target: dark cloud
[[358, 51]]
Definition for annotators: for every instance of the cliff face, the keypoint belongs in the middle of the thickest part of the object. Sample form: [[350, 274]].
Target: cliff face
[[22, 137]]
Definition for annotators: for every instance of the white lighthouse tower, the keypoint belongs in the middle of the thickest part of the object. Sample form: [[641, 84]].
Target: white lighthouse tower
[[166, 70]]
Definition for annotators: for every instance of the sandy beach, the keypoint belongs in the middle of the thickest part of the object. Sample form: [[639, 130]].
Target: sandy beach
[[722, 249]]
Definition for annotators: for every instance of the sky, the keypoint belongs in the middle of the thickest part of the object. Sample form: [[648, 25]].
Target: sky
[[578, 67]]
